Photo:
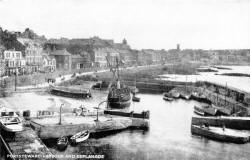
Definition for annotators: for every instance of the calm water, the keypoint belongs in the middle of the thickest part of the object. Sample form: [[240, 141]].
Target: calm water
[[169, 137]]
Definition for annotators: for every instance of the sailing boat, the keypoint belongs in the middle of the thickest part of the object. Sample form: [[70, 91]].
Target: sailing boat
[[119, 95]]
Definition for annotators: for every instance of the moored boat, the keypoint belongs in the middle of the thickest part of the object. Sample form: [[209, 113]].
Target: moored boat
[[205, 110], [185, 96], [174, 93], [220, 134], [62, 143], [70, 92], [168, 97], [10, 121], [80, 137], [199, 112], [135, 99], [119, 94], [199, 97]]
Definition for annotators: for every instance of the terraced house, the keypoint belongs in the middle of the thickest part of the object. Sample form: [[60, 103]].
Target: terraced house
[[33, 55], [15, 63], [104, 54]]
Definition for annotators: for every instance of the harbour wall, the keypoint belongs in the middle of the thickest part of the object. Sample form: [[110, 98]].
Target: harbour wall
[[241, 123], [113, 123], [142, 115]]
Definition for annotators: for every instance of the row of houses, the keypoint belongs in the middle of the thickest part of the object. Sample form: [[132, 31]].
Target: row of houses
[[33, 59], [39, 58]]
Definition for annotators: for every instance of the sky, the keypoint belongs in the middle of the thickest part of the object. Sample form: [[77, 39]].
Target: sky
[[156, 24]]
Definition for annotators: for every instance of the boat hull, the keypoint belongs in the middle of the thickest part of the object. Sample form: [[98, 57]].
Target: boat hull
[[79, 139], [207, 110], [69, 93], [16, 128], [11, 124], [119, 105], [136, 99], [185, 96], [168, 98], [62, 143], [215, 134], [200, 113]]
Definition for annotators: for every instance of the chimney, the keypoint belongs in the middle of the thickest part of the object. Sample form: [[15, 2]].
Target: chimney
[[178, 47]]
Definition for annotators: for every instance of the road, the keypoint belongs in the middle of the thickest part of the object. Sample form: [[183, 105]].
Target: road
[[69, 76]]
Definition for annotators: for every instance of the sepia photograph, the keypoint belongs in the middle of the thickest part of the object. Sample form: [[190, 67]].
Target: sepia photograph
[[124, 79]]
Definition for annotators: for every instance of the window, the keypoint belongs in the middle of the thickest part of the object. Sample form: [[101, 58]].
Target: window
[[78, 66], [81, 65], [18, 55], [7, 55]]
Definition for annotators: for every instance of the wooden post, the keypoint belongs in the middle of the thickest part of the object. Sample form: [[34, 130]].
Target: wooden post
[[225, 95]]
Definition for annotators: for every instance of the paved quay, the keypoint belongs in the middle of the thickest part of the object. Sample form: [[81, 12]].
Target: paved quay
[[26, 145]]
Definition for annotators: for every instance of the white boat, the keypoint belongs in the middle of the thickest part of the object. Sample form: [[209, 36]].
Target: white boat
[[9, 120], [80, 137]]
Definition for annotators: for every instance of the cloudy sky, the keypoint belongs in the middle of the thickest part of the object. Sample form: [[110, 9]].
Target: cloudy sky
[[205, 24]]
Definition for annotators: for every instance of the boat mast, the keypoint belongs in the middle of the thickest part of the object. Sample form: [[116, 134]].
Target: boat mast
[[118, 74], [226, 94]]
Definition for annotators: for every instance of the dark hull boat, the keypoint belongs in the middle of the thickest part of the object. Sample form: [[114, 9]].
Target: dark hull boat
[[135, 99], [119, 98], [220, 134], [69, 92], [62, 143], [119, 94], [168, 97]]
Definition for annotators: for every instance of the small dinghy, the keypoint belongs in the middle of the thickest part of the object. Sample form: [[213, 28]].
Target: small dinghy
[[221, 134], [174, 93], [9, 120], [198, 111], [80, 137], [167, 97], [136, 99], [206, 110], [62, 143], [185, 95]]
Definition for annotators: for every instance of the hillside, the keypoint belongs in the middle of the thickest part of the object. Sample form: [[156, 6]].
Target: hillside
[[9, 41]]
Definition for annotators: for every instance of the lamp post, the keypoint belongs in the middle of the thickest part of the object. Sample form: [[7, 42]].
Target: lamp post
[[16, 77], [60, 120], [97, 108]]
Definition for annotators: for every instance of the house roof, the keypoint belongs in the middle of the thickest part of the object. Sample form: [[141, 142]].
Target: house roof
[[63, 52]]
